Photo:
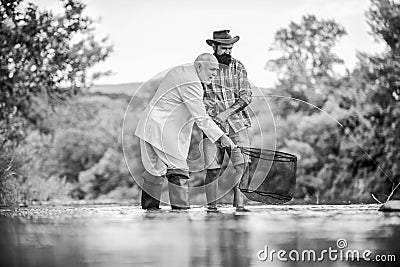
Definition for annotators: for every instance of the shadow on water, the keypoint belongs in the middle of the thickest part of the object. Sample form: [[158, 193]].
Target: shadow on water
[[115, 235]]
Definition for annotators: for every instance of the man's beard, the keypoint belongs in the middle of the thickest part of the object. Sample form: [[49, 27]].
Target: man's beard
[[224, 59]]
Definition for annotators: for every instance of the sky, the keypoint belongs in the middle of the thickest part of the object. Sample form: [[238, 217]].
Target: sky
[[153, 35]]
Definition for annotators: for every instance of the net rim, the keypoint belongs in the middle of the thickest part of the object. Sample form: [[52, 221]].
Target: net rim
[[277, 155]]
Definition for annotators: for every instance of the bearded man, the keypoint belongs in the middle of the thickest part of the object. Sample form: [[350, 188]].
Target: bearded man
[[226, 100]]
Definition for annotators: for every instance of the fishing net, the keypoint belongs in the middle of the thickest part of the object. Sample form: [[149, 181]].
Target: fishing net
[[270, 178]]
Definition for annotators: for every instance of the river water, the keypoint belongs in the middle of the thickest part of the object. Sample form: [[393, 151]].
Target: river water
[[125, 235]]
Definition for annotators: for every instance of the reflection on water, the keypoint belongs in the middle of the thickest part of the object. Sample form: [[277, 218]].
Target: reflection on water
[[117, 235]]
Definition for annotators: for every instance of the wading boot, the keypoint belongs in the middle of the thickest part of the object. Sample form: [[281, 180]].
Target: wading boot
[[151, 193], [178, 187], [211, 189]]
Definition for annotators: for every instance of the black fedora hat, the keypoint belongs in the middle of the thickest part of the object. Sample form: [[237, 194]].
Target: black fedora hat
[[222, 37]]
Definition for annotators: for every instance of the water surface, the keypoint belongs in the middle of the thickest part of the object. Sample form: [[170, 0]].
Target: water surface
[[125, 235]]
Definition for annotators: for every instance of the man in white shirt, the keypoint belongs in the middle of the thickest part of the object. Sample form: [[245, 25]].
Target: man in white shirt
[[165, 129]]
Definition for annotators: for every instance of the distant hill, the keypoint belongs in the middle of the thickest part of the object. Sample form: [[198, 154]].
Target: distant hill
[[115, 89]]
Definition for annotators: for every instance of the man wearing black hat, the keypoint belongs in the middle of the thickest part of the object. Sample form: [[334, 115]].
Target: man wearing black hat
[[226, 99]]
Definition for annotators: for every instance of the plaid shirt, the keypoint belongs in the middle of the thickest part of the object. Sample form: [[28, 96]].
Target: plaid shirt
[[230, 89]]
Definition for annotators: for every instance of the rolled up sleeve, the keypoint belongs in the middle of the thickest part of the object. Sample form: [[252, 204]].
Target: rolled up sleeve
[[244, 97]]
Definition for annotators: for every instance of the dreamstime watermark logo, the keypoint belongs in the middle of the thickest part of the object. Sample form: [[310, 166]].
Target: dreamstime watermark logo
[[340, 253]]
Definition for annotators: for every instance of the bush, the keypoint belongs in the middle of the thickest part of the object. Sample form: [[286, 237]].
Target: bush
[[8, 180]]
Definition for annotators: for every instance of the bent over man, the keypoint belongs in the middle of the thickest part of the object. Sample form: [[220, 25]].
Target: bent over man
[[165, 129]]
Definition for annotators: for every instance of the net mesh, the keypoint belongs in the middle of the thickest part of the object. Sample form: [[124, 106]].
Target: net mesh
[[270, 178]]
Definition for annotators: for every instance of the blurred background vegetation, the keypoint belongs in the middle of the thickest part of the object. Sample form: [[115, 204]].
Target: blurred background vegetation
[[60, 136]]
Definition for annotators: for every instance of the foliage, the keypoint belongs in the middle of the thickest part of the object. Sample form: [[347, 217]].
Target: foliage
[[83, 159], [307, 111], [8, 180], [306, 66], [349, 148], [44, 61], [382, 89]]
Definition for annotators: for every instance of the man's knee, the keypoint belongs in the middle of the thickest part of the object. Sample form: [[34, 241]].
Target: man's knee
[[239, 168], [152, 179]]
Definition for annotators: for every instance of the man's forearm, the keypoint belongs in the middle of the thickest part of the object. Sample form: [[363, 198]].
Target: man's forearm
[[238, 105], [223, 116]]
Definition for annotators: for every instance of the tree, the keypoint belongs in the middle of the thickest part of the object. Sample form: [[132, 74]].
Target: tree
[[305, 67], [44, 60], [307, 107], [384, 20], [360, 156]]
